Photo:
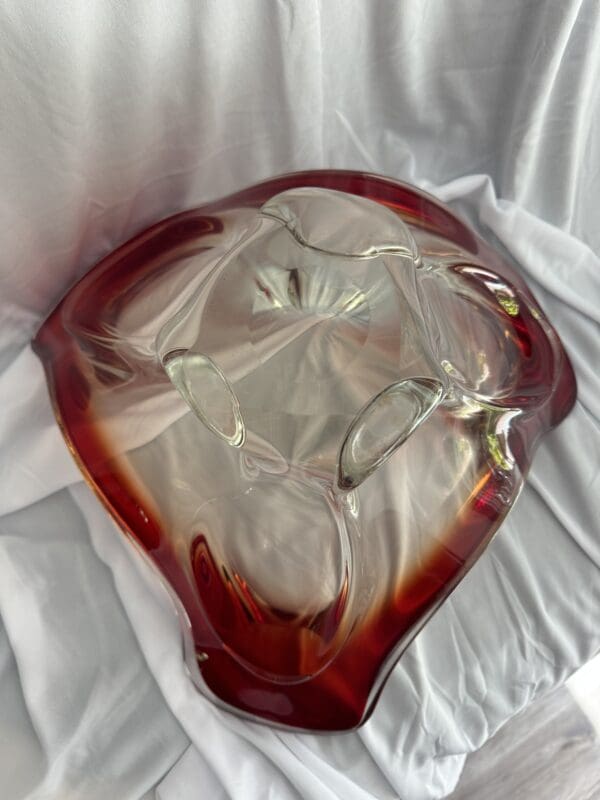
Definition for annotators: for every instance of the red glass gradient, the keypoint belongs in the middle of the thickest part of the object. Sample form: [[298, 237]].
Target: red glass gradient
[[342, 695]]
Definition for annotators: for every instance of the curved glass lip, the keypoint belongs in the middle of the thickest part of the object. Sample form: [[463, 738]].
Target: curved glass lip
[[431, 214]]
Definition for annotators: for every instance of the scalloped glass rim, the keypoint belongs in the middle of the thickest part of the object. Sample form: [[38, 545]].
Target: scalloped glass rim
[[342, 694]]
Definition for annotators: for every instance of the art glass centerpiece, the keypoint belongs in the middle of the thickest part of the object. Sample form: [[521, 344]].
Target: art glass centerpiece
[[311, 405]]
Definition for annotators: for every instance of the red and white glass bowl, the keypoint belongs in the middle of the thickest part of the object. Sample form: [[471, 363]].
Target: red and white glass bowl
[[311, 405]]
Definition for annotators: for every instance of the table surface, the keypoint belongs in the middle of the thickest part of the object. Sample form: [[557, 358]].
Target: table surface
[[551, 751]]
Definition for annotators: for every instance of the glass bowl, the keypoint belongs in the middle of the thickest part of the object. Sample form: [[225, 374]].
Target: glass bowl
[[310, 405]]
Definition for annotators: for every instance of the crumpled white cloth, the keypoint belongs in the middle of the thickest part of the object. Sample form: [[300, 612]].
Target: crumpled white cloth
[[114, 115]]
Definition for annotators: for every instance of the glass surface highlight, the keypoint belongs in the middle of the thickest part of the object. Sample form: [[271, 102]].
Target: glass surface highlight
[[311, 405]]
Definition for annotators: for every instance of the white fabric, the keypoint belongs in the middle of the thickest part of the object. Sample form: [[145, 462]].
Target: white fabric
[[114, 115]]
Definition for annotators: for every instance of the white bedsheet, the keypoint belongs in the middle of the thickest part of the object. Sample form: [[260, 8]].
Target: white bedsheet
[[114, 115]]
